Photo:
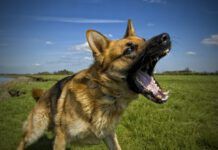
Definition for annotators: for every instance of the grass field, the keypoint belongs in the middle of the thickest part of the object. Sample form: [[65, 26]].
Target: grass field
[[189, 120]]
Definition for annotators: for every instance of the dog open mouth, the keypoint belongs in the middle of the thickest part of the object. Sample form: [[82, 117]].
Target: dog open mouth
[[148, 85], [141, 77]]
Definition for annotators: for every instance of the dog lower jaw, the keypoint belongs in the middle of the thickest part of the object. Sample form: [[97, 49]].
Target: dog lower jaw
[[149, 87]]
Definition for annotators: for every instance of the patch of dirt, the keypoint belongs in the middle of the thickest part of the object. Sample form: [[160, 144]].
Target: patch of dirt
[[16, 93], [7, 89]]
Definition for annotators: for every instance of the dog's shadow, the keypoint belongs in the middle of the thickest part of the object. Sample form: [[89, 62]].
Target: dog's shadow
[[44, 143]]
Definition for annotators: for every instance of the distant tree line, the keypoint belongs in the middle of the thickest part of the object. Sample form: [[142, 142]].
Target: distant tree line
[[60, 72], [185, 71], [188, 71]]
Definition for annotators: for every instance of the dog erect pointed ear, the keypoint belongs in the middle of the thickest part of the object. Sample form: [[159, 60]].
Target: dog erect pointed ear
[[97, 42], [130, 31]]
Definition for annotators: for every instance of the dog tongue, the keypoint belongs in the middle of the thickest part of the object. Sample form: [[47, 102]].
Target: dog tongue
[[147, 81], [148, 84]]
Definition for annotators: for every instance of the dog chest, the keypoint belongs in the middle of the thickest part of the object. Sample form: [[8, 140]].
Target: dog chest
[[101, 125], [82, 132], [78, 128]]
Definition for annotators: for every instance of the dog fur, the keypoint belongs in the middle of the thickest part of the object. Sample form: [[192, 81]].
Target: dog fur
[[86, 107]]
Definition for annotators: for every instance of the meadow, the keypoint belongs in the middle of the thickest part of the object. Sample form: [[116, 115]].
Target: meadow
[[189, 120]]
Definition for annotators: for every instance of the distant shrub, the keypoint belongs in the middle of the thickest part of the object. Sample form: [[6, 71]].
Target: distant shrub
[[60, 72], [63, 72], [187, 71], [44, 73]]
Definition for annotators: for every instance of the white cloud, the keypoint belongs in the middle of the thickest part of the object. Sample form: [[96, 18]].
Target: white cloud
[[155, 1], [191, 53], [87, 58], [49, 43], [77, 20], [37, 64], [150, 24], [110, 35], [212, 40], [81, 47]]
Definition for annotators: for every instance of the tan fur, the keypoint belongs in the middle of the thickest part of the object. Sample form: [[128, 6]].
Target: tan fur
[[37, 93], [91, 104]]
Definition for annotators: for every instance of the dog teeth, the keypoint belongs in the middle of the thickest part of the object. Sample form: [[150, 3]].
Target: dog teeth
[[166, 93], [165, 98], [167, 50], [148, 86], [159, 96]]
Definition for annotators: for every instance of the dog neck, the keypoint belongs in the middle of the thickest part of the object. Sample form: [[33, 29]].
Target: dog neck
[[112, 86]]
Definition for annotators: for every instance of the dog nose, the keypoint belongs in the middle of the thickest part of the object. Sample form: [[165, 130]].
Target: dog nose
[[164, 38]]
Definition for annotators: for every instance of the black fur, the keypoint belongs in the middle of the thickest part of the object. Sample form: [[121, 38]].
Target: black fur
[[55, 93]]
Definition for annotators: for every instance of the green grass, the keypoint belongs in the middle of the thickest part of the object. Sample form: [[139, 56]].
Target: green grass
[[189, 120]]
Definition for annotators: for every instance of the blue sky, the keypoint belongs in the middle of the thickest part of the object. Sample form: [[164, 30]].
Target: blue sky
[[49, 35]]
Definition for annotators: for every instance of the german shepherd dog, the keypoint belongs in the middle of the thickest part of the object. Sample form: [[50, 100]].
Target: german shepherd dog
[[86, 107]]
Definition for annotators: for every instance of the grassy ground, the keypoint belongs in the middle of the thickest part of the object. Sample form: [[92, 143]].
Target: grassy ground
[[189, 120]]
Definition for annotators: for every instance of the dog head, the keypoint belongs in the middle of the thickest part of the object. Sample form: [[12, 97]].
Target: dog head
[[132, 60]]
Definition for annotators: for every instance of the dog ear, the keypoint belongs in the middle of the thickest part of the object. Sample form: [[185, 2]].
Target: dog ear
[[97, 42], [130, 31]]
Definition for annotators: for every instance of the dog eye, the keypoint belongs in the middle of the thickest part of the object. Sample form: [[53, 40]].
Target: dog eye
[[128, 50]]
